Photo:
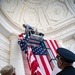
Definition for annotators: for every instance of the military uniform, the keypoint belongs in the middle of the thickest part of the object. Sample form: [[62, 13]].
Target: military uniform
[[68, 57], [70, 70]]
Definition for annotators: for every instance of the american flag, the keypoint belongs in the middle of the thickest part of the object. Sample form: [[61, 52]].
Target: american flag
[[37, 50], [44, 66]]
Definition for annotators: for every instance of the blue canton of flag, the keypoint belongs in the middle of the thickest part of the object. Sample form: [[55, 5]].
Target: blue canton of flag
[[23, 43], [39, 50]]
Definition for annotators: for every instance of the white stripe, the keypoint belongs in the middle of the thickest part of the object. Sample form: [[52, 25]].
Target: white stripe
[[40, 64], [38, 69], [51, 47], [32, 59], [54, 46], [47, 64], [29, 53], [52, 50]]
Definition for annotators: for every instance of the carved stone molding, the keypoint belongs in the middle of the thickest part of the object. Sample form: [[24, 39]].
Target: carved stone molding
[[36, 3], [48, 16], [71, 6], [57, 11], [31, 17], [8, 4]]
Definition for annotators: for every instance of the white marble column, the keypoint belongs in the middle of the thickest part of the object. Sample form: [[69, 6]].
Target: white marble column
[[16, 56]]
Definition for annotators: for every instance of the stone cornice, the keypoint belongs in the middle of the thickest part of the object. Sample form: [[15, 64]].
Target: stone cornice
[[64, 34]]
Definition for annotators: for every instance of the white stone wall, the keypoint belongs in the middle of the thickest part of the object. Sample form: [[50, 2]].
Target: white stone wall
[[11, 54], [4, 51]]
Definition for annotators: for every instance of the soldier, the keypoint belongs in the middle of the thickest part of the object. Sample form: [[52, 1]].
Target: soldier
[[8, 70], [28, 29], [65, 59]]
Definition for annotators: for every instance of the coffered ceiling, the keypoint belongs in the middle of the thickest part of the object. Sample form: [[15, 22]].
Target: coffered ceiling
[[54, 18]]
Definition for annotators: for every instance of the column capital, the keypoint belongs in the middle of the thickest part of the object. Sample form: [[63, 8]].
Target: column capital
[[13, 36]]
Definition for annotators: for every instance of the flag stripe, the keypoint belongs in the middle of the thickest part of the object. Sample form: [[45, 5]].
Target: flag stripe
[[50, 52], [45, 65], [40, 64], [54, 49], [36, 37], [28, 57], [51, 64], [56, 43], [28, 61], [34, 66], [35, 45], [34, 41], [49, 45]]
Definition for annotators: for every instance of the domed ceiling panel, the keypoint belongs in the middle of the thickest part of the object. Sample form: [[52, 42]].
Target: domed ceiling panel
[[46, 15], [71, 5]]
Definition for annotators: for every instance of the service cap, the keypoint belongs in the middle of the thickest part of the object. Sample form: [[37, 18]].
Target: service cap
[[66, 55]]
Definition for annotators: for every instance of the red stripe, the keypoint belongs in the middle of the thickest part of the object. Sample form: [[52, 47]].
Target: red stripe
[[28, 60], [51, 51], [35, 45], [28, 63], [50, 63], [44, 65], [53, 46], [34, 64], [56, 43], [50, 47]]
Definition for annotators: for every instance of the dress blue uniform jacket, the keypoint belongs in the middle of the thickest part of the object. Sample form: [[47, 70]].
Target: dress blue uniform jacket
[[67, 71]]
